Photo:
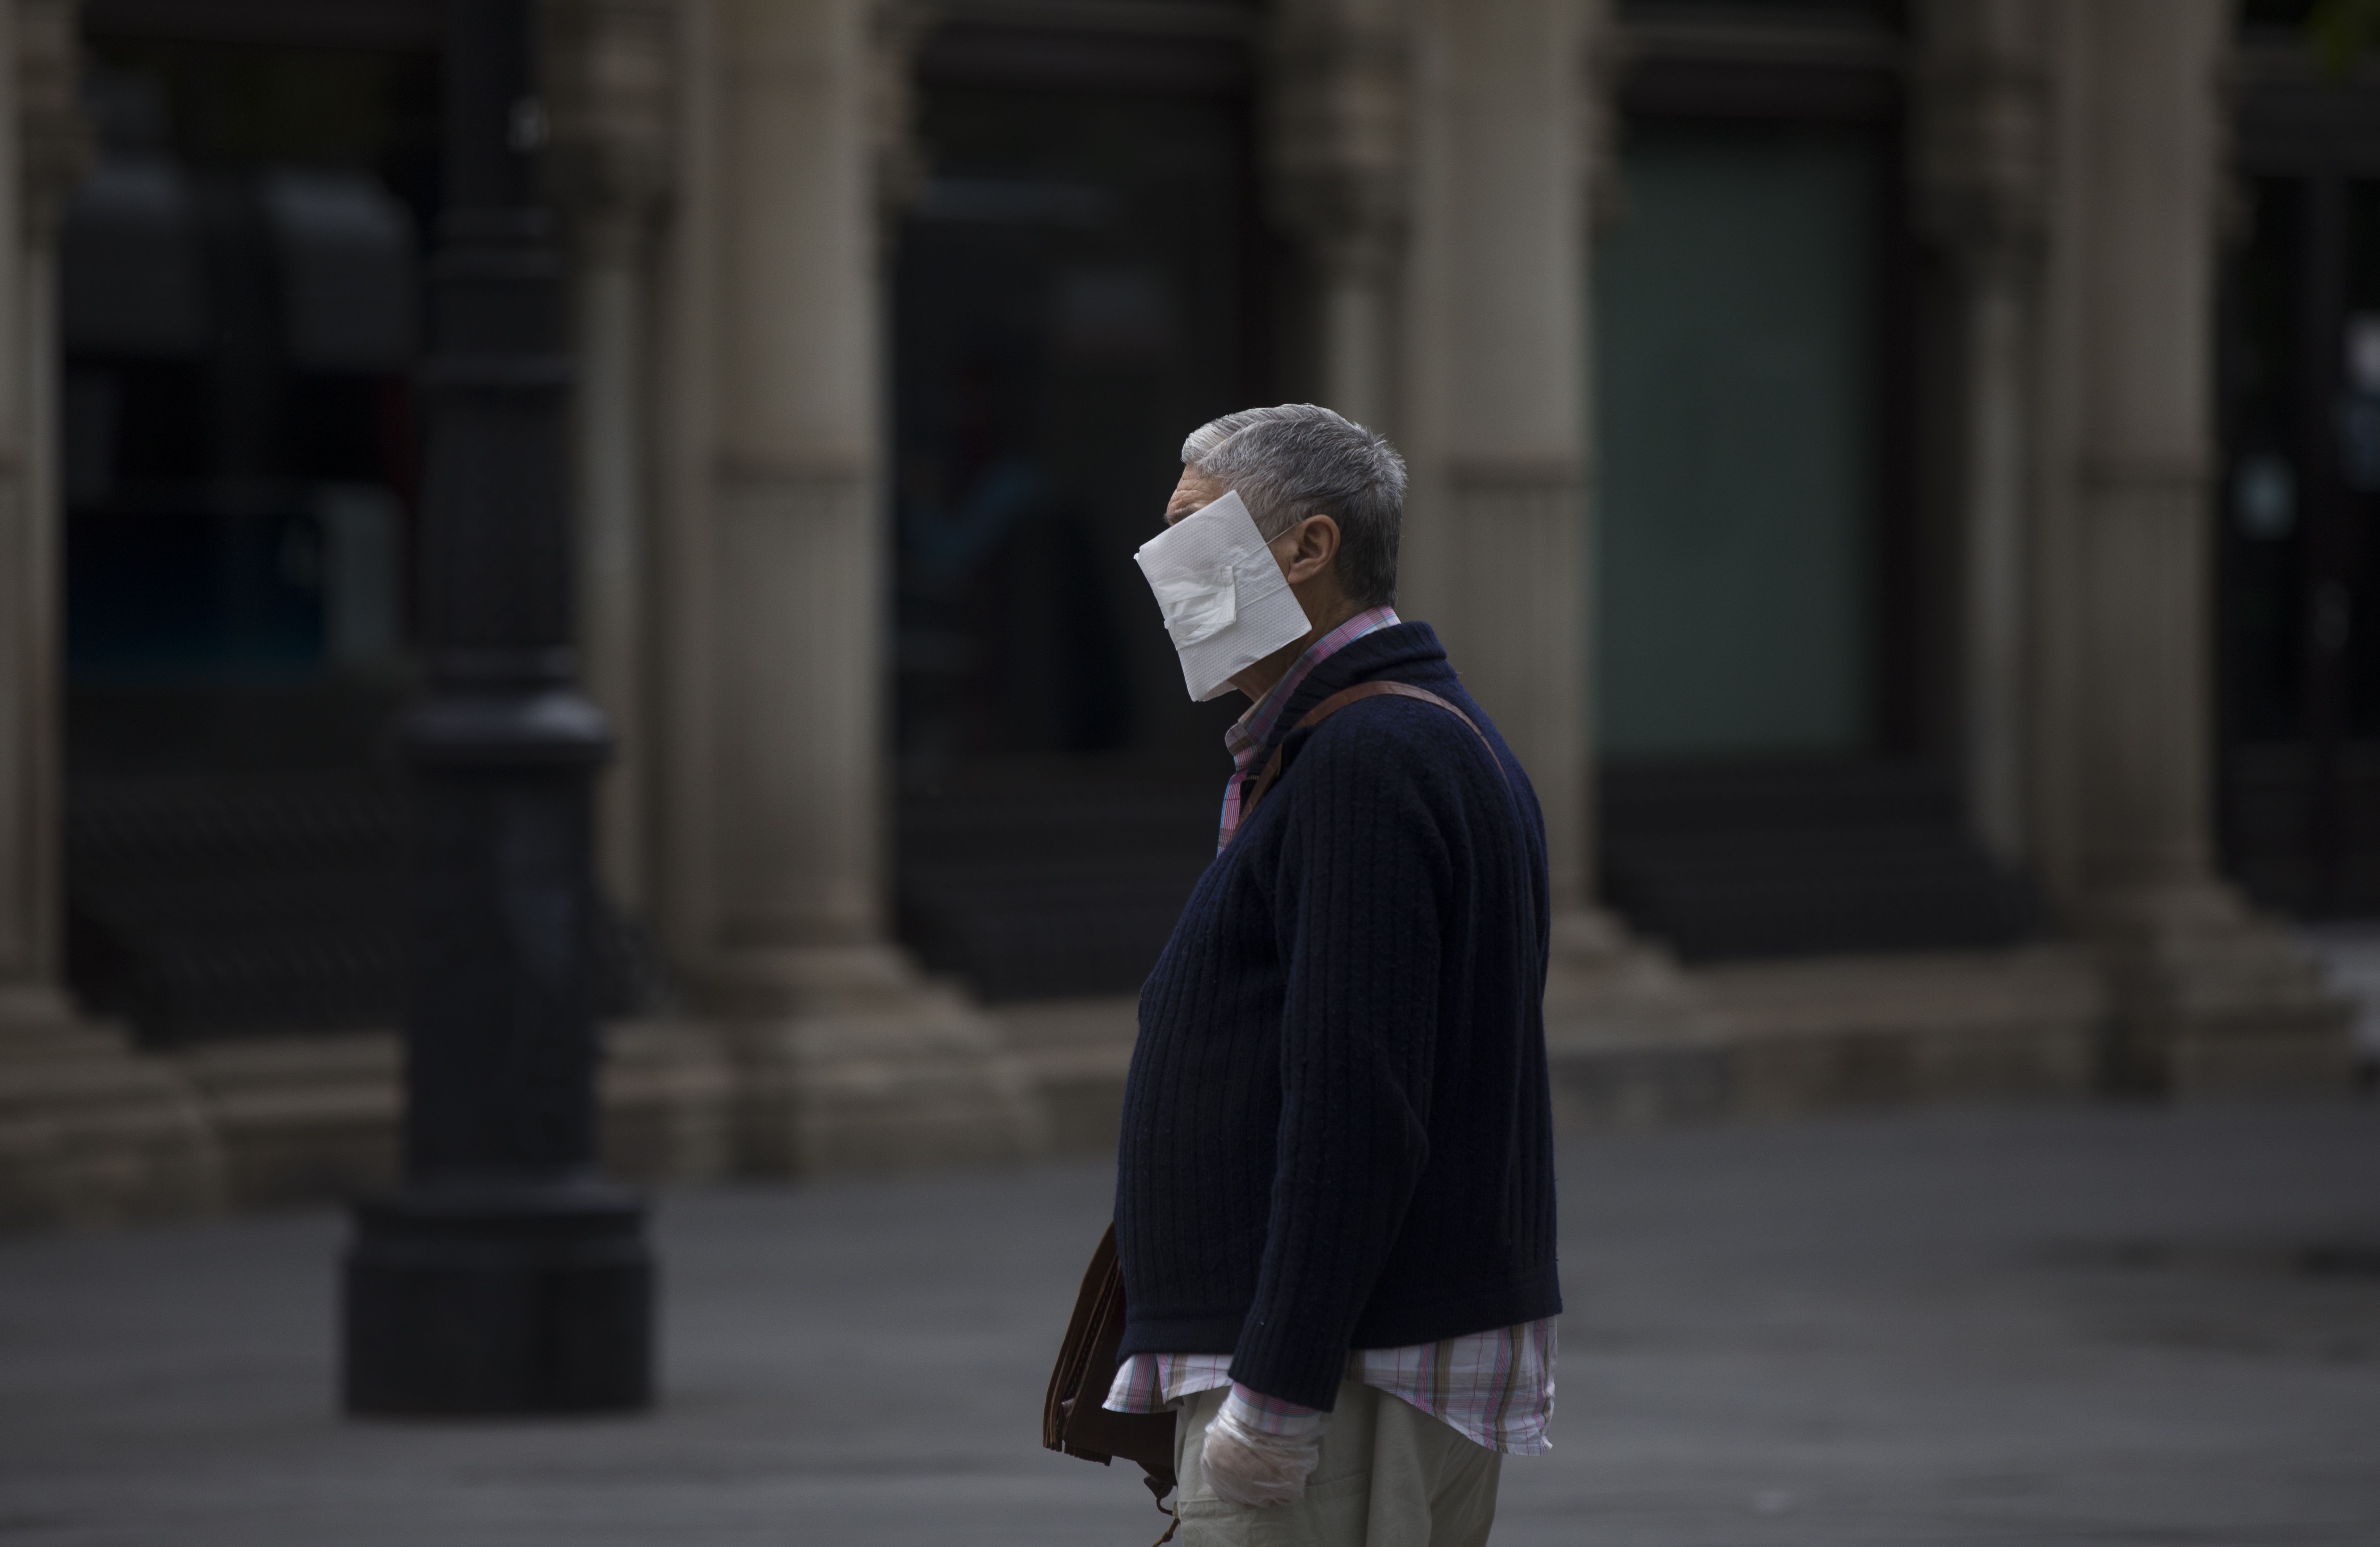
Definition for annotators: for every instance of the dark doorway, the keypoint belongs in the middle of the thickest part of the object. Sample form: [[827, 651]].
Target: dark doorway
[[2296, 554], [239, 317], [1769, 786], [1082, 279]]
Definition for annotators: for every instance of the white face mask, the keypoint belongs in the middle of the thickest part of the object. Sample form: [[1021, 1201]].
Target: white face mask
[[1226, 602]]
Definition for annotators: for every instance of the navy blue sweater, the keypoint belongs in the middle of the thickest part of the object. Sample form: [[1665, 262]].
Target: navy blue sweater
[[1337, 1132]]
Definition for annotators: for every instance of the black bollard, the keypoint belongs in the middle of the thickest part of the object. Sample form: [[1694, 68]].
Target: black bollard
[[505, 1275]]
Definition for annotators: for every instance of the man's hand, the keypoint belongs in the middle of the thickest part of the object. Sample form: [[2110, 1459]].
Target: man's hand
[[1248, 1460]]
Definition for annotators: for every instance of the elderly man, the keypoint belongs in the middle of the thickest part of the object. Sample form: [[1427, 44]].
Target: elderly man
[[1335, 1200]]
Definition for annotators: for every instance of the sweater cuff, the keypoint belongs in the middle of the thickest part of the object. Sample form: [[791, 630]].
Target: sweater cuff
[[1270, 1415], [1292, 1374]]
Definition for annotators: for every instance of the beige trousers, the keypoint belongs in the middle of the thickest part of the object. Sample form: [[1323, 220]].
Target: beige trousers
[[1391, 1476]]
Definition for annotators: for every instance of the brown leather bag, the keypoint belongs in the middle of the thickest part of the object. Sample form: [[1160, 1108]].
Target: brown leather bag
[[1073, 1417]]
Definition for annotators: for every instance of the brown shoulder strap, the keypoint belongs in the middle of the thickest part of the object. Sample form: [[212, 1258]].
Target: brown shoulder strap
[[1356, 694]]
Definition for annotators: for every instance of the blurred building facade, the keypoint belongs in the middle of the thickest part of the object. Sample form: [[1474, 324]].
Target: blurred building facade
[[1896, 472]]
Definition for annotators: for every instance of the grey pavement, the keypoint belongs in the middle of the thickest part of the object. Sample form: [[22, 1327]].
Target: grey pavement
[[2105, 1325]]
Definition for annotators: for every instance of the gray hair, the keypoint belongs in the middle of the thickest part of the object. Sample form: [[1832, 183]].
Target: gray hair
[[1297, 461]]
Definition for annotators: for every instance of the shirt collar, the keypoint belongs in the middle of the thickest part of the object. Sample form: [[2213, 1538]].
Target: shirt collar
[[1248, 732]]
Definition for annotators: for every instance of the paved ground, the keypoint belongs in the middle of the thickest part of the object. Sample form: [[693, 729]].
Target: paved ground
[[2109, 1326]]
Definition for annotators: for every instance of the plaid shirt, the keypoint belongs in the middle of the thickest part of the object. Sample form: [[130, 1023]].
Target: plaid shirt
[[1246, 737], [1496, 1388]]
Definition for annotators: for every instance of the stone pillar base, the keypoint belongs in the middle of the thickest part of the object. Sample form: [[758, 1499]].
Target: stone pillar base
[[669, 1102], [1630, 1041], [1828, 1033], [90, 1131], [300, 1119], [847, 1059], [2211, 998], [1605, 981]]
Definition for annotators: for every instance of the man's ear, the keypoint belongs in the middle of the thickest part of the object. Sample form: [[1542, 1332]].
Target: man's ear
[[1308, 549]]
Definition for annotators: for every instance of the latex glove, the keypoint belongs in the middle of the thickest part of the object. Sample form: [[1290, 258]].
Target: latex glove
[[1245, 1465]]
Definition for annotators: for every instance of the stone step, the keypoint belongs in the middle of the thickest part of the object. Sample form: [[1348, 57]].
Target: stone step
[[1775, 1039], [931, 1080]]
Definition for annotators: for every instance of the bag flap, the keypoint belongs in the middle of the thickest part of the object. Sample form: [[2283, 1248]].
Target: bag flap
[[1073, 1417]]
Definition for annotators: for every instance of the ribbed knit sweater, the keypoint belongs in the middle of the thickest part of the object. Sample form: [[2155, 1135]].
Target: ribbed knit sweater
[[1337, 1131]]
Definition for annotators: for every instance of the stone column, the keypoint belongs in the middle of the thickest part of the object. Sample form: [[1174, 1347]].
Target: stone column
[[1493, 362], [1496, 377], [88, 1130], [610, 81], [775, 548], [1339, 171], [2209, 994], [899, 29], [798, 566], [1978, 161]]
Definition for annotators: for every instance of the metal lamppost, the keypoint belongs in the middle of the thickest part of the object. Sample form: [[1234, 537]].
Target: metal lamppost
[[504, 1276]]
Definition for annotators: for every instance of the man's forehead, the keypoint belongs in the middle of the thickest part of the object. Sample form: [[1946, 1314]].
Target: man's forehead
[[1193, 493]]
